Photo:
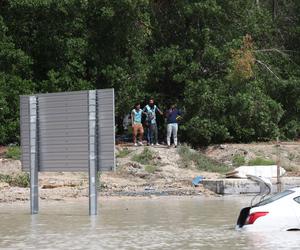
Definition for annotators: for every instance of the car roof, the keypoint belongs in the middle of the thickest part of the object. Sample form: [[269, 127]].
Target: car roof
[[296, 189]]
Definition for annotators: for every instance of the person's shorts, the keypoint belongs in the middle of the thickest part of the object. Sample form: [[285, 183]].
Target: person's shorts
[[138, 128]]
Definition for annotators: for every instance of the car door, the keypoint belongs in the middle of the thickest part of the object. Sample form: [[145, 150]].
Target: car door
[[297, 208]]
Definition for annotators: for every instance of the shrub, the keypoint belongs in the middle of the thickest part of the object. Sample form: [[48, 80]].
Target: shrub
[[260, 161], [123, 152], [20, 180], [5, 178], [238, 160], [150, 169], [146, 157], [202, 162], [13, 152]]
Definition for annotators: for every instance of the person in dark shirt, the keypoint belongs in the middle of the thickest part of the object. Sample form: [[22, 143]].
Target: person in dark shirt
[[173, 115]]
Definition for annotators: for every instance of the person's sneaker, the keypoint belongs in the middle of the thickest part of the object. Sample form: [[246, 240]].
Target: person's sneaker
[[175, 146], [157, 144], [152, 144], [140, 143], [168, 146], [135, 144]]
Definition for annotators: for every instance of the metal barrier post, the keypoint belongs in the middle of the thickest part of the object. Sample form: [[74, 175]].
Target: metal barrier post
[[92, 153], [34, 192]]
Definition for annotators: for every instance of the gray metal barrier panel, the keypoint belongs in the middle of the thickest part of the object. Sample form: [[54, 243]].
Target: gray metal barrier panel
[[24, 125], [106, 132], [63, 131]]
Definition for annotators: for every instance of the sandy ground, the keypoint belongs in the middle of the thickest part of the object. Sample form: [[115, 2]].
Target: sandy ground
[[131, 179], [287, 153]]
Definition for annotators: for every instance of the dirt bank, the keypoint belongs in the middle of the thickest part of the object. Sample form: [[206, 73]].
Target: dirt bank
[[162, 176], [287, 153], [159, 172]]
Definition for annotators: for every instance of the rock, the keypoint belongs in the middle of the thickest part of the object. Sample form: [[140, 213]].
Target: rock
[[3, 185], [142, 174], [135, 165]]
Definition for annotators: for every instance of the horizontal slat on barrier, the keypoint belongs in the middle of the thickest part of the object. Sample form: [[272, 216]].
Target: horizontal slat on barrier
[[25, 149], [105, 116], [24, 126], [105, 95], [69, 96], [106, 131], [105, 124], [105, 139], [106, 150], [63, 109], [54, 164], [63, 148], [71, 93], [105, 100], [105, 156], [64, 117], [64, 141], [105, 108], [24, 115], [25, 139], [75, 156], [58, 104], [105, 164], [63, 125], [46, 133]]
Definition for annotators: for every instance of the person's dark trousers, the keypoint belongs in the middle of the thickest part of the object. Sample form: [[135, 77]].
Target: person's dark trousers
[[152, 134]]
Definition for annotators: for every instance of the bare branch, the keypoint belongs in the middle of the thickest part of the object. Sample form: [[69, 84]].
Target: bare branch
[[281, 52], [268, 68]]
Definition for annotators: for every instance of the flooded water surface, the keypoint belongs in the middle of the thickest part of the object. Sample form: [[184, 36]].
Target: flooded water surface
[[158, 223]]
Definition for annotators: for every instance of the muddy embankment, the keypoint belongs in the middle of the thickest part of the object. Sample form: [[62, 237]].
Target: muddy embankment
[[140, 172]]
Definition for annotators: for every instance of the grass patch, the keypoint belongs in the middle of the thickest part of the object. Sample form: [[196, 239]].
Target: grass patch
[[20, 180], [5, 178], [124, 152], [238, 160], [150, 169], [146, 157], [191, 157], [13, 152], [260, 161]]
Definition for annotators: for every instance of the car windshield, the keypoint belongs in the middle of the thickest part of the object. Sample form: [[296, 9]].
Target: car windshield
[[274, 198]]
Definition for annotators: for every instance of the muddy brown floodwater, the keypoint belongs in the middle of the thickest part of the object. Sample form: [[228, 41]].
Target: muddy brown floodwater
[[140, 223]]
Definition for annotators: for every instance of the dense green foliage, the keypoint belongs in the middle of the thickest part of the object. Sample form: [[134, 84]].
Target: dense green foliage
[[233, 66]]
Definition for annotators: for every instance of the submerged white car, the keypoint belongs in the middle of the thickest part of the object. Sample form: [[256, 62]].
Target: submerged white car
[[278, 212]]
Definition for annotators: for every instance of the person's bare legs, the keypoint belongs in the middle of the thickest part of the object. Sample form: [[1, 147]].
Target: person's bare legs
[[141, 134], [134, 133]]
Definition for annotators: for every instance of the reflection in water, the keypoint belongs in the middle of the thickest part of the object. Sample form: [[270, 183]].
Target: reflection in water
[[159, 223]]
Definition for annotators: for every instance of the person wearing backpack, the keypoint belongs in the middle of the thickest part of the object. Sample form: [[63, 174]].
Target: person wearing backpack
[[152, 133]]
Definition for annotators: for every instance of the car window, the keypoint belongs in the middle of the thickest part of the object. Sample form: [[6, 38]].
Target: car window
[[297, 199], [274, 198]]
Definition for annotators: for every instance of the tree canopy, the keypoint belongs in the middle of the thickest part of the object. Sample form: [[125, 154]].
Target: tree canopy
[[233, 66]]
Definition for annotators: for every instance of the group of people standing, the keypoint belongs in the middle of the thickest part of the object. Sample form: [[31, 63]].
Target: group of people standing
[[149, 111]]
